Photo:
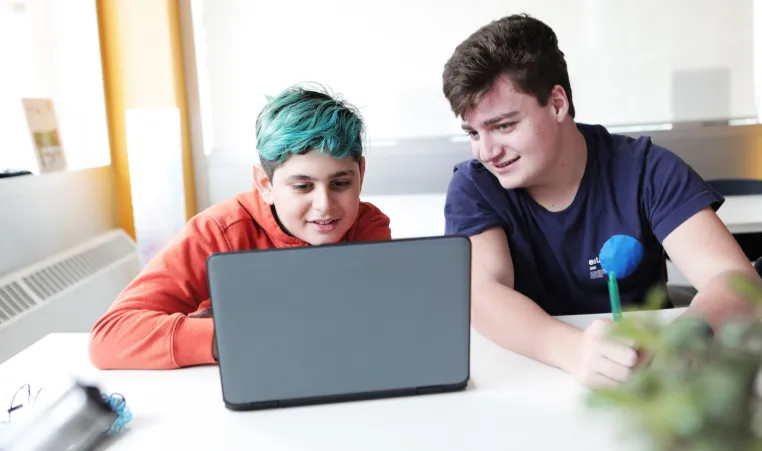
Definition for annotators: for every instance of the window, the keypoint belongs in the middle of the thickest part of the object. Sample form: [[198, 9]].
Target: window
[[50, 49]]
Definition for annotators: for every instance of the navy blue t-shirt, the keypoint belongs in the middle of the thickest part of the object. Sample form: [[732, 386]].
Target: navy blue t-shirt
[[630, 187]]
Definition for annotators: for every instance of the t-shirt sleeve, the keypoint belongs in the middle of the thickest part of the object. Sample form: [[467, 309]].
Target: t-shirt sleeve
[[673, 192], [466, 210]]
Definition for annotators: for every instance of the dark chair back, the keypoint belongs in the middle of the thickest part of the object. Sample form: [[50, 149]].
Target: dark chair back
[[736, 187]]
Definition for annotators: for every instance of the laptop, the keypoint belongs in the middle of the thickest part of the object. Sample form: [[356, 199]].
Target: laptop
[[341, 322]]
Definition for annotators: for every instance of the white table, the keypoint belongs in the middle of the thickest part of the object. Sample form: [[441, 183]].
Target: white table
[[511, 403]]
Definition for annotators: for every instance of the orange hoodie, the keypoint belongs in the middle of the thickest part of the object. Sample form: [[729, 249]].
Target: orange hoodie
[[148, 327]]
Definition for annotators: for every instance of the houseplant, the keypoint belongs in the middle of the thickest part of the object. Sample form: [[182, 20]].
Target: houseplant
[[694, 391]]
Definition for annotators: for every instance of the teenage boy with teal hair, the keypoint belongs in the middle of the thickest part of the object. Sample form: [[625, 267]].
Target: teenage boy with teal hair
[[306, 192]]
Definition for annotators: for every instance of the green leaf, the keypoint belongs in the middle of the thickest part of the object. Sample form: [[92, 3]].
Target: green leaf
[[697, 392], [655, 297], [642, 336], [749, 288], [685, 333]]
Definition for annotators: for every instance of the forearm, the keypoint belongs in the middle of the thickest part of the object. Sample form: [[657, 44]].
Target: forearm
[[719, 300], [147, 326], [140, 339], [515, 322]]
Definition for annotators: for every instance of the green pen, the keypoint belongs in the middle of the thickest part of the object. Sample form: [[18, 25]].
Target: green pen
[[616, 306]]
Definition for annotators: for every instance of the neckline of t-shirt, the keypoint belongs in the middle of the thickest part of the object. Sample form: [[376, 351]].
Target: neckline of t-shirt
[[582, 190]]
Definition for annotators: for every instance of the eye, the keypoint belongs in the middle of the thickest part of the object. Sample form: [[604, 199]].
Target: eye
[[342, 183], [301, 186], [473, 134], [506, 127]]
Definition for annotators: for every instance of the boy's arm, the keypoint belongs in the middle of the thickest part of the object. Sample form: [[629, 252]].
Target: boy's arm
[[681, 207], [509, 318], [506, 316], [515, 322], [148, 326], [703, 249]]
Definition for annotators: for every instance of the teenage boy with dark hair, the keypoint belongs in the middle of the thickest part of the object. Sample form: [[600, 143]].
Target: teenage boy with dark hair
[[543, 194]]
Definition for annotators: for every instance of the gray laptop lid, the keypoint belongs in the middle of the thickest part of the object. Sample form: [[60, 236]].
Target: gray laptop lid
[[341, 320]]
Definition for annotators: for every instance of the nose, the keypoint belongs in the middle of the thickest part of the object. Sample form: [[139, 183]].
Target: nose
[[487, 149], [321, 200]]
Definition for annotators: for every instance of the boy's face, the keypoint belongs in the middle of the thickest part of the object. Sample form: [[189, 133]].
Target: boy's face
[[316, 196], [513, 136]]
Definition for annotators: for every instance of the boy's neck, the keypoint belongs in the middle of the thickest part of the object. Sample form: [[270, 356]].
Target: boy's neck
[[559, 186], [277, 220]]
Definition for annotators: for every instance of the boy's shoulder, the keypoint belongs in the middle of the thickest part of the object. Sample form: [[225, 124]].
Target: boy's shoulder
[[243, 221], [242, 207], [369, 211], [371, 224], [471, 172], [626, 148], [468, 168]]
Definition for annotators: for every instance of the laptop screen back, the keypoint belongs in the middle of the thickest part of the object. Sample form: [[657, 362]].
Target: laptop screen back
[[341, 320]]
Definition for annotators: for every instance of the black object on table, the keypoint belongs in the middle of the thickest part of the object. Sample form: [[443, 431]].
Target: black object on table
[[7, 173]]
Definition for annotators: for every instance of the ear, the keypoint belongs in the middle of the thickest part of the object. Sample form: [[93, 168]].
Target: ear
[[560, 103], [263, 184]]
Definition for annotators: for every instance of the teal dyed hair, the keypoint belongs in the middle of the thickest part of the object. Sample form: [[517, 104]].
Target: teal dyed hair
[[301, 120]]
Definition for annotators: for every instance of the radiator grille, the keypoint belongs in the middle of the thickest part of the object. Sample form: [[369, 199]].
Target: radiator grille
[[19, 296]]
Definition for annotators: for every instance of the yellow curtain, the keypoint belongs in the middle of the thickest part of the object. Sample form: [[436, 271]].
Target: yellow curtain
[[143, 68]]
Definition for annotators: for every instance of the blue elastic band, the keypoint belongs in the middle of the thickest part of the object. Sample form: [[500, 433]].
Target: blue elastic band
[[118, 405]]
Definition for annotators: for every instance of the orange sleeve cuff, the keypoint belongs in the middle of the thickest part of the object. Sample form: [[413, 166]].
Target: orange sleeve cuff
[[192, 341]]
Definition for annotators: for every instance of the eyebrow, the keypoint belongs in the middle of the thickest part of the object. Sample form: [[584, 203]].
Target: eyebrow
[[491, 121], [307, 178]]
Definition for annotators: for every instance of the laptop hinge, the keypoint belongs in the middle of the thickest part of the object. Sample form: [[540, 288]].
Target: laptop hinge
[[265, 405], [429, 389]]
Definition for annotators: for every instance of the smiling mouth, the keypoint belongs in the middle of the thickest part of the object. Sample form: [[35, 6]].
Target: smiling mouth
[[507, 163], [326, 226]]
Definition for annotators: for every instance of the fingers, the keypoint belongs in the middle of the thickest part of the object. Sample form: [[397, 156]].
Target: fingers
[[600, 381], [618, 353], [612, 370], [604, 372], [606, 361], [600, 327], [644, 359]]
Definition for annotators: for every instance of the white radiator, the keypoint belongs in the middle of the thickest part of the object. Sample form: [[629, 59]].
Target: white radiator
[[64, 293]]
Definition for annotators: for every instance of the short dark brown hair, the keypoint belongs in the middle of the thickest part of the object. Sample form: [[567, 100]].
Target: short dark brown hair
[[518, 46]]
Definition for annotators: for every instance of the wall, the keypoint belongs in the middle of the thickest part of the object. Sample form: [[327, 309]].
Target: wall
[[46, 214], [424, 165], [631, 62]]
